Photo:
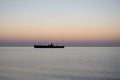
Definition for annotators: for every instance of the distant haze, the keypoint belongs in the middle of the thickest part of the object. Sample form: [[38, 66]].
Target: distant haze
[[63, 22]]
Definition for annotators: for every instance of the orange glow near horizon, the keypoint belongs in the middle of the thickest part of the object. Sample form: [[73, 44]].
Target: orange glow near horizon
[[59, 35]]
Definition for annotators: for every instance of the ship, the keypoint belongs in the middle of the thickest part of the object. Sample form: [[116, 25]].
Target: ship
[[48, 46]]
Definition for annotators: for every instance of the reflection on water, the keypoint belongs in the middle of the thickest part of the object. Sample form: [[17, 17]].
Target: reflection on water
[[71, 63]]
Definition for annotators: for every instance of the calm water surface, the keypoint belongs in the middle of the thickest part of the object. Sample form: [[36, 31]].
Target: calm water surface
[[70, 63]]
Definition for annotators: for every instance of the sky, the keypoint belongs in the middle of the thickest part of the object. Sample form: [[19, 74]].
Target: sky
[[72, 22]]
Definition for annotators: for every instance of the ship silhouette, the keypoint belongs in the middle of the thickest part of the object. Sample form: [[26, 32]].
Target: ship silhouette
[[48, 46]]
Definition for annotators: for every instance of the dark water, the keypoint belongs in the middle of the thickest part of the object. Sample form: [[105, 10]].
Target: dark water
[[71, 63]]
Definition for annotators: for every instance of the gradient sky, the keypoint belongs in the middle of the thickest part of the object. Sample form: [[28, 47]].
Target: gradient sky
[[59, 20]]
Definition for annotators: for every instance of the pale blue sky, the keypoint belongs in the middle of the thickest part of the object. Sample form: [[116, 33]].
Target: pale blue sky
[[74, 20]]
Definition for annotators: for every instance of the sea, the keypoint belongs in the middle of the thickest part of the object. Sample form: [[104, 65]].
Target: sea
[[69, 63]]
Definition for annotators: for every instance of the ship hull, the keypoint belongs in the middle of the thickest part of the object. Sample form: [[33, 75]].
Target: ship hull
[[38, 46]]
